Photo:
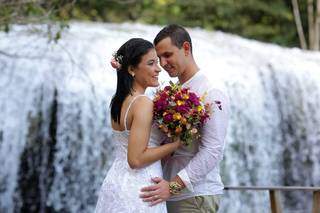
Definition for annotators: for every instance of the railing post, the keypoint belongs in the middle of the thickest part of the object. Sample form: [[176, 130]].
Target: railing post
[[316, 202], [275, 201]]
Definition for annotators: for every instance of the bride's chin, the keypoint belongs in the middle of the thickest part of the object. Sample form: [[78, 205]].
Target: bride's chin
[[156, 84]]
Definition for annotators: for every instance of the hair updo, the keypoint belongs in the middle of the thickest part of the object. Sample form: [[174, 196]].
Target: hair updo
[[129, 54]]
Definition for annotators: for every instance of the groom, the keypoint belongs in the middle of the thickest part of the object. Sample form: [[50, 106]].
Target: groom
[[194, 183]]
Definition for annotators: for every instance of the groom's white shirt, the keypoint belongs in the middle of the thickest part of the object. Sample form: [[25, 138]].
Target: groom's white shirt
[[198, 165]]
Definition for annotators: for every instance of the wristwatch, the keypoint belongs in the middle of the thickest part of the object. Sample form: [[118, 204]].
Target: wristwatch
[[175, 187]]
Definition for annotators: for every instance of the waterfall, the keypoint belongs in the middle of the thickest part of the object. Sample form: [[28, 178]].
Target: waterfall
[[55, 144]]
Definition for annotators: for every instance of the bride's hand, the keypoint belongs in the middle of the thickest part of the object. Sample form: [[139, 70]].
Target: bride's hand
[[178, 142]]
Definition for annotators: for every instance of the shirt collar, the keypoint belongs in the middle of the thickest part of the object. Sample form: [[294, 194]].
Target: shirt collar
[[192, 78]]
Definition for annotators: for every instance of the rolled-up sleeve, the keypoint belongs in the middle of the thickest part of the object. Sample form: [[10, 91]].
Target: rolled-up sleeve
[[211, 145]]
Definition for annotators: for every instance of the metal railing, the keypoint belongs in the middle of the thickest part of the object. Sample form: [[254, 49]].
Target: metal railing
[[274, 194]]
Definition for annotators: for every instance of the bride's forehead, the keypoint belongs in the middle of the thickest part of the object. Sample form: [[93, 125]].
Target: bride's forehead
[[150, 54]]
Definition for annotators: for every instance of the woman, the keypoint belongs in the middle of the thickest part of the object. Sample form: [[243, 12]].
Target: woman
[[138, 151]]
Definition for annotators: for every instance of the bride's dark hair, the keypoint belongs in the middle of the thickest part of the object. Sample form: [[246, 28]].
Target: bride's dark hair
[[129, 54]]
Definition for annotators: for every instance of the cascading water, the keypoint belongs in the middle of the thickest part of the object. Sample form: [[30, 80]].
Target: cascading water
[[55, 145]]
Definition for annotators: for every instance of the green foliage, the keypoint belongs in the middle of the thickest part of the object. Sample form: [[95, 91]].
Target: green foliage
[[52, 13], [270, 21]]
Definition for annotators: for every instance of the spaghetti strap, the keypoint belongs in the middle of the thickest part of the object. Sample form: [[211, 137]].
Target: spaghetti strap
[[126, 114]]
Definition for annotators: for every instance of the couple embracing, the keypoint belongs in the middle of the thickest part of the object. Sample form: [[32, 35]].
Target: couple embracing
[[149, 175]]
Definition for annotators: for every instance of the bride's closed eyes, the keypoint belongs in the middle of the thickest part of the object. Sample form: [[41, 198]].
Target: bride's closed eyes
[[152, 62]]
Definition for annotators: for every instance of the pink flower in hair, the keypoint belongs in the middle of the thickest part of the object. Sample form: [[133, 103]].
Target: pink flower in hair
[[115, 64], [116, 61]]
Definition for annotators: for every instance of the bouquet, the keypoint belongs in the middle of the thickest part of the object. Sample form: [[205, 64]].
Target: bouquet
[[180, 113]]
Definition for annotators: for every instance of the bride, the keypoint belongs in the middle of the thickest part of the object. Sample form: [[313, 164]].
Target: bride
[[138, 151]]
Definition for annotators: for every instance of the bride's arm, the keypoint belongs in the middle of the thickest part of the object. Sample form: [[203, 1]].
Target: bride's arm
[[139, 155]]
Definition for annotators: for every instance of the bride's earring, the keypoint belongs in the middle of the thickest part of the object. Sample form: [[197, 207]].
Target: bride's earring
[[131, 72]]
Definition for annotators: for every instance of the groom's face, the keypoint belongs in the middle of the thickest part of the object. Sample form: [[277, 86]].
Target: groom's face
[[172, 59]]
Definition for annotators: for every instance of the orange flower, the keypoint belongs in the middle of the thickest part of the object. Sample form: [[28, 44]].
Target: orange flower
[[178, 129], [185, 97], [184, 120]]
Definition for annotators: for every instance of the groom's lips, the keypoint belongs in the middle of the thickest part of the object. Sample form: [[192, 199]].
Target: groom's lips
[[169, 69]]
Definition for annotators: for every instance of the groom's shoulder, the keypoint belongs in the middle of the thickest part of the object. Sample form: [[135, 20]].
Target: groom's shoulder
[[217, 94]]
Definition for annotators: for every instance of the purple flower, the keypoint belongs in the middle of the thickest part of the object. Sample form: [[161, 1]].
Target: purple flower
[[161, 104], [182, 109], [168, 118], [178, 96], [167, 88], [194, 99]]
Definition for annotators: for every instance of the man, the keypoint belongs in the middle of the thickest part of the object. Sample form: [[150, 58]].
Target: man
[[193, 172]]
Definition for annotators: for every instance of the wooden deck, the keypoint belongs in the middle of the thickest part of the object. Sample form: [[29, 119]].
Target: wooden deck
[[274, 194]]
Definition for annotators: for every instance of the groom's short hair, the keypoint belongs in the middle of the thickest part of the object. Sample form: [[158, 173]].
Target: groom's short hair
[[177, 34]]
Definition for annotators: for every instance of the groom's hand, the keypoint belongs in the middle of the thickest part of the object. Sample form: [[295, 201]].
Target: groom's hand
[[156, 193]]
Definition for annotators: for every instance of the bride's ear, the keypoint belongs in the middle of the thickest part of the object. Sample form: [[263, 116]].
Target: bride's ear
[[131, 71]]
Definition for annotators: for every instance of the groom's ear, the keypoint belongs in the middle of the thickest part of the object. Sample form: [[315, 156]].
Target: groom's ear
[[187, 48]]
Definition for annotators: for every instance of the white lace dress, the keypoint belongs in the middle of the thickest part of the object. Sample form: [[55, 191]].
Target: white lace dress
[[121, 187]]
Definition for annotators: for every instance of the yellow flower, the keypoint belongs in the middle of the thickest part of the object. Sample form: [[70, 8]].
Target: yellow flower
[[179, 103], [185, 97], [176, 116], [199, 108]]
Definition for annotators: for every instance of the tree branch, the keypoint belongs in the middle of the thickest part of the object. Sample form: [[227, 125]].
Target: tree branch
[[311, 24], [297, 19], [317, 27]]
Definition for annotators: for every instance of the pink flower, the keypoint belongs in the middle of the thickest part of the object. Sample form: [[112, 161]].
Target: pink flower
[[167, 88], [115, 64]]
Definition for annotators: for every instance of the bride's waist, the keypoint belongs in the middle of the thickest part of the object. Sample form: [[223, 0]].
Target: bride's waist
[[122, 161]]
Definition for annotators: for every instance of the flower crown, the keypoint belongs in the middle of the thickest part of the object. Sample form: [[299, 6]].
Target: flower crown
[[116, 61]]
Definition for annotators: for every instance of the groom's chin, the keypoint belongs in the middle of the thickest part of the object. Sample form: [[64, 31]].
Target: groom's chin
[[173, 74]]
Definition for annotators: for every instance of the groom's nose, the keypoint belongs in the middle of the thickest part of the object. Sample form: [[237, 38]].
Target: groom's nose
[[163, 62]]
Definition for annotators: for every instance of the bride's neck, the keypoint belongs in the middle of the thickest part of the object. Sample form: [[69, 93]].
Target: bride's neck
[[138, 89]]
